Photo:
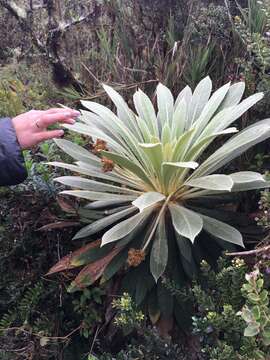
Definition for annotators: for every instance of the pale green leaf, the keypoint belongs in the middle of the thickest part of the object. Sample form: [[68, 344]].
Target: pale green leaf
[[101, 204], [234, 148], [124, 112], [92, 185], [222, 231], [155, 155], [233, 96], [230, 130], [252, 329], [78, 152], [246, 177], [200, 145], [212, 182], [92, 195], [199, 99], [179, 118], [246, 314], [98, 133], [165, 103], [146, 111], [186, 94], [181, 165], [159, 252], [127, 164], [181, 146], [103, 223], [248, 180], [186, 222], [122, 229], [90, 119], [87, 170], [251, 186], [148, 199], [146, 133], [170, 169], [114, 175], [166, 134], [210, 109], [226, 117], [124, 136]]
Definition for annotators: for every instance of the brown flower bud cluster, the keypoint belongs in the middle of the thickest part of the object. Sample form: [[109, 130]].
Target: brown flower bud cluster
[[107, 164], [100, 145], [135, 257]]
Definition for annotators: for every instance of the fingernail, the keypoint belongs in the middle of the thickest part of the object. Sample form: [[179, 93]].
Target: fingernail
[[61, 133], [75, 112], [72, 121]]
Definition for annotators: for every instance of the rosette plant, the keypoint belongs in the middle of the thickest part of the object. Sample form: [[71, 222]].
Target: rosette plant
[[143, 176]]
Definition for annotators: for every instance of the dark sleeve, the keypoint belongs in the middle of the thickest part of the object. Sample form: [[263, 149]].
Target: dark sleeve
[[12, 167]]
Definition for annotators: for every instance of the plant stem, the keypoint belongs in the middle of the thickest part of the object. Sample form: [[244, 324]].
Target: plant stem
[[156, 222]]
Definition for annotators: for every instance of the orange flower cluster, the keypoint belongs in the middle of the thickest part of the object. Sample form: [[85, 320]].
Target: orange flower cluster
[[107, 164], [135, 257], [99, 146]]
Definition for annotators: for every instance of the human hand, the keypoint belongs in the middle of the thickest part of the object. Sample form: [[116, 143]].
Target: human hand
[[31, 127]]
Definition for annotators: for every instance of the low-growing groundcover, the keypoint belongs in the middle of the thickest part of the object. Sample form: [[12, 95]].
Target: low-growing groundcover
[[230, 317], [148, 183]]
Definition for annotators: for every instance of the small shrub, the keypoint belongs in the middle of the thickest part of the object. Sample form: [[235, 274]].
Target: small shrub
[[128, 317], [232, 312]]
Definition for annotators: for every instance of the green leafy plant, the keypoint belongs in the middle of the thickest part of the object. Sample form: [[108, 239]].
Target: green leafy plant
[[146, 179], [255, 16], [87, 307], [263, 218], [25, 309], [128, 317], [219, 298], [16, 97], [147, 346], [256, 312], [252, 28], [200, 63], [10, 103]]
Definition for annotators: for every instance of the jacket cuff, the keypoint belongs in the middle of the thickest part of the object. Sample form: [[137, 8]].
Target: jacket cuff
[[12, 166]]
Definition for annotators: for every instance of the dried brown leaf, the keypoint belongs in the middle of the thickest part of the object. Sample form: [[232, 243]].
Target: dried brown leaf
[[66, 205], [93, 271], [58, 225], [65, 262]]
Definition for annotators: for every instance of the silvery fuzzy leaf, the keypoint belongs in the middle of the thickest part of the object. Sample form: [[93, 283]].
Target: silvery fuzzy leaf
[[199, 99], [78, 152], [186, 222], [212, 182], [125, 114], [222, 231], [92, 185], [159, 252], [233, 96], [101, 224], [125, 227], [146, 111], [93, 195], [165, 103], [148, 199]]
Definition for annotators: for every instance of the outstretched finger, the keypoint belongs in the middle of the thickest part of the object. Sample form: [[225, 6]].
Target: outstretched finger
[[60, 110], [46, 135], [50, 119]]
